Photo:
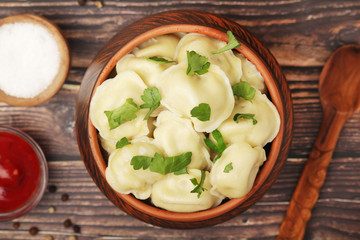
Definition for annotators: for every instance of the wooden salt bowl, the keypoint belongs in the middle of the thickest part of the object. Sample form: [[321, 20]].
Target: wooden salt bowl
[[60, 77]]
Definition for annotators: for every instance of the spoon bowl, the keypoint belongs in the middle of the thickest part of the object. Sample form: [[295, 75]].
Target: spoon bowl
[[63, 70], [339, 83]]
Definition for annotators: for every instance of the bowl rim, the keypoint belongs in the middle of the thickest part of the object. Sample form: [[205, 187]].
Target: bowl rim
[[270, 81]]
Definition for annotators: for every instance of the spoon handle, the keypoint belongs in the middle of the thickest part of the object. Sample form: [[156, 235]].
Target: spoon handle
[[313, 176]]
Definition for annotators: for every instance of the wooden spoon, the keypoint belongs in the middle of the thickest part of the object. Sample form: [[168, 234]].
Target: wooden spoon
[[64, 60], [339, 88]]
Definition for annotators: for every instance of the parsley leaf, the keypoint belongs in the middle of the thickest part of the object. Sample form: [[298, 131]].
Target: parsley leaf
[[140, 162], [181, 171], [199, 185], [152, 99], [176, 164], [122, 142], [228, 168], [170, 164], [201, 112], [244, 90], [237, 117], [124, 113], [158, 60], [220, 144], [197, 64], [232, 43]]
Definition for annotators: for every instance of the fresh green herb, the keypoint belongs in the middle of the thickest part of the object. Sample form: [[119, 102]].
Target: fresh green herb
[[176, 164], [199, 186], [158, 60], [124, 113], [181, 171], [197, 64], [170, 164], [220, 147], [232, 43], [245, 116], [228, 168], [140, 162], [122, 142], [201, 112], [152, 99], [244, 90]]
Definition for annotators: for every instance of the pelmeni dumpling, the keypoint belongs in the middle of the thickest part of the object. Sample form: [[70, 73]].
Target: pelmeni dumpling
[[113, 93], [245, 161], [204, 45], [108, 145], [250, 74], [149, 71], [212, 88], [161, 46], [121, 175], [176, 135], [259, 134], [173, 193]]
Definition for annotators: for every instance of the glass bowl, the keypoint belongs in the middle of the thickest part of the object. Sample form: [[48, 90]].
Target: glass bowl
[[43, 178]]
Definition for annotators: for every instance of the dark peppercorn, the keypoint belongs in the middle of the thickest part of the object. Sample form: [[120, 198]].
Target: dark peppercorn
[[81, 2], [16, 225], [76, 229], [64, 197], [33, 231], [67, 223], [52, 188]]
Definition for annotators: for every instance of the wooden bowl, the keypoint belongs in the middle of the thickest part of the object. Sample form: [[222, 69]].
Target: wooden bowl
[[60, 77], [183, 21]]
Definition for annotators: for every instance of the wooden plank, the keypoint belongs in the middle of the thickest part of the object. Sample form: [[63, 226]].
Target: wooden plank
[[298, 33], [51, 124], [338, 205], [301, 35]]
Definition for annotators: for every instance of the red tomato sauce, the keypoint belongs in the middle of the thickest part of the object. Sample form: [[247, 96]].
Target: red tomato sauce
[[19, 172]]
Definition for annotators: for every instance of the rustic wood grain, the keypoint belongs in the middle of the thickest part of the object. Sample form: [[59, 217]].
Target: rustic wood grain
[[300, 33], [337, 212]]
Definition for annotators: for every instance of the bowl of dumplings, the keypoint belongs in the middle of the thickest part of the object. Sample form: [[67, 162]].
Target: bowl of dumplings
[[184, 119]]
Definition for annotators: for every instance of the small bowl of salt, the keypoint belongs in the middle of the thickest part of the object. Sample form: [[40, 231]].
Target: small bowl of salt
[[34, 59]]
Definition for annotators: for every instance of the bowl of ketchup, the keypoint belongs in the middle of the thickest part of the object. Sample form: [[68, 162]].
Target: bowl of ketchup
[[23, 173]]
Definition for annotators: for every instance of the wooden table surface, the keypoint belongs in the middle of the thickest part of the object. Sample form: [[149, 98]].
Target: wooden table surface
[[300, 33]]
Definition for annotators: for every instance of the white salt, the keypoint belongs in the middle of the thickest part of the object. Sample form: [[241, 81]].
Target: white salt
[[29, 59]]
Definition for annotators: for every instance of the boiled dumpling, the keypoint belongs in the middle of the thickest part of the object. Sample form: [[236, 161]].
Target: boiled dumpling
[[161, 46], [259, 134], [107, 144], [113, 93], [149, 71], [173, 193], [123, 178], [176, 136], [251, 75], [245, 162], [204, 45], [181, 93]]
